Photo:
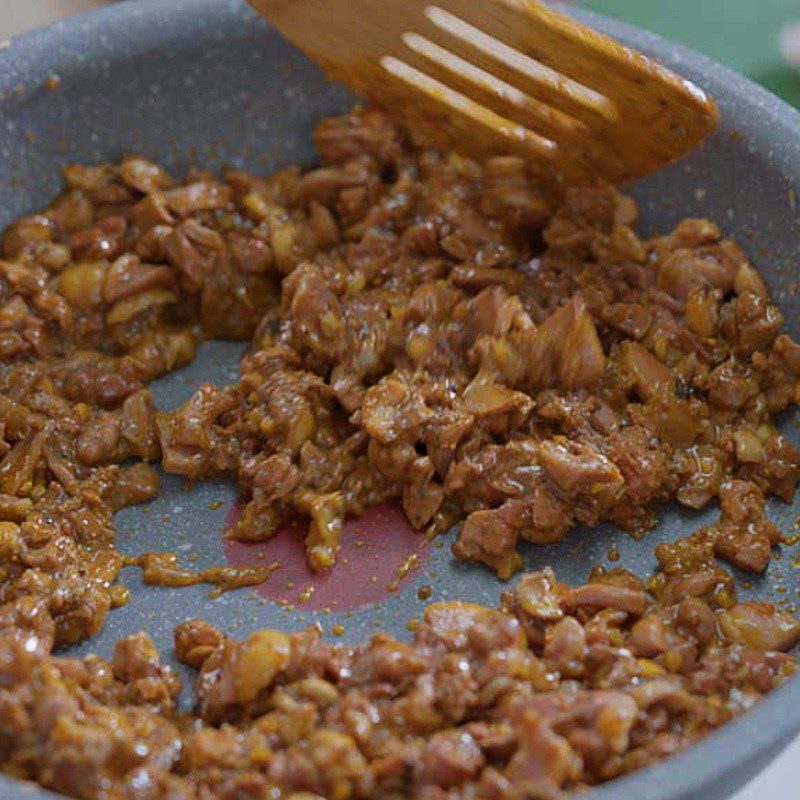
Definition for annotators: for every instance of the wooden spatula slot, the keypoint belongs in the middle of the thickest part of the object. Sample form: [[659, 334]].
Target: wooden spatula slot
[[538, 79], [490, 121], [490, 77], [488, 89]]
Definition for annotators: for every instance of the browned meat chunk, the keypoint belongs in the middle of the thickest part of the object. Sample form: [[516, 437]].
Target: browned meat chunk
[[760, 626]]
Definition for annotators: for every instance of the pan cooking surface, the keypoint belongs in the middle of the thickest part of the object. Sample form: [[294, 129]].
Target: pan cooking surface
[[215, 87], [190, 519]]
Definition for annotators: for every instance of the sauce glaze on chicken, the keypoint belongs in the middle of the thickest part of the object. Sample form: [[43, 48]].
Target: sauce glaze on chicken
[[423, 328]]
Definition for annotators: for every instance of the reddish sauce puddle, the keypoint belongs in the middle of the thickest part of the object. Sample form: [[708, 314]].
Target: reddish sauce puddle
[[377, 550]]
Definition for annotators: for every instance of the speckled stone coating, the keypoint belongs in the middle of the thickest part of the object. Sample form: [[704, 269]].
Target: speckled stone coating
[[206, 82]]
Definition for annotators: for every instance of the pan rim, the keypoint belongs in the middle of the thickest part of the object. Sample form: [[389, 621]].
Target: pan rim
[[754, 737]]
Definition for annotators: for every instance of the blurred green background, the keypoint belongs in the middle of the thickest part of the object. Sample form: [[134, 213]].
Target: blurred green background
[[740, 33]]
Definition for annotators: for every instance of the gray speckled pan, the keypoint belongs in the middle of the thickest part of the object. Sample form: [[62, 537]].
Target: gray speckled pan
[[206, 82]]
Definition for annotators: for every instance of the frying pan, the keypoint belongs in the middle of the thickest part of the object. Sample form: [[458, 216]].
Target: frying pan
[[206, 82]]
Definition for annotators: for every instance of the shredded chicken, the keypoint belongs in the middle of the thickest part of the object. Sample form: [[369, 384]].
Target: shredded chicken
[[424, 328]]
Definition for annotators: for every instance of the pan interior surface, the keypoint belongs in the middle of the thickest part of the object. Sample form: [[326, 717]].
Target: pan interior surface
[[208, 83]]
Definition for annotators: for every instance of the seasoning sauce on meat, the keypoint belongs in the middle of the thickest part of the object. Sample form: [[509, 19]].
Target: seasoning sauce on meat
[[162, 569], [426, 329]]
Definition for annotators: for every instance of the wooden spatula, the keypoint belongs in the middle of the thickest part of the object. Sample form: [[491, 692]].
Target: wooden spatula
[[487, 77]]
